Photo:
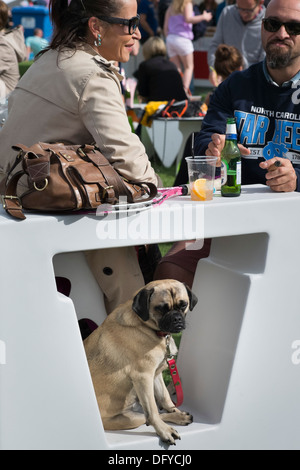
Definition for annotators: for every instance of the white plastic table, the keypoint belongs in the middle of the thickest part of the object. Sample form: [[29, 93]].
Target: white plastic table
[[239, 358]]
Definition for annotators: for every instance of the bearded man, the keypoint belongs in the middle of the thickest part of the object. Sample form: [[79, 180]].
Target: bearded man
[[265, 100]]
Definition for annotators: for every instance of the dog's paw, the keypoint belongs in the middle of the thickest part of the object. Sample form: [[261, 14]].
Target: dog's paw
[[178, 417], [169, 435], [185, 418]]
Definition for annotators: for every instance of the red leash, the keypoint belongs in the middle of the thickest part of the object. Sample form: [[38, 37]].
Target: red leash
[[174, 374], [176, 381]]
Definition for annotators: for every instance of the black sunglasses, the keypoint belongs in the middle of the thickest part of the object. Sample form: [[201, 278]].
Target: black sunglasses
[[272, 26], [132, 24]]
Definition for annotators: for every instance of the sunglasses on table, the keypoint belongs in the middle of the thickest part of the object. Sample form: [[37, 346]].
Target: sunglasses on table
[[272, 26], [132, 23]]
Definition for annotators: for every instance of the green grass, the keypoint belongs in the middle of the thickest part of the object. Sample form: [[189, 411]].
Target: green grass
[[24, 66], [167, 175]]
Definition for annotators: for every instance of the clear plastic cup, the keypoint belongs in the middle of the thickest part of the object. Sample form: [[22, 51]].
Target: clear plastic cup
[[201, 171]]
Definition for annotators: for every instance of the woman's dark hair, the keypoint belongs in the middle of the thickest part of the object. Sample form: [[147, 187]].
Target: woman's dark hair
[[70, 21], [3, 15], [227, 60]]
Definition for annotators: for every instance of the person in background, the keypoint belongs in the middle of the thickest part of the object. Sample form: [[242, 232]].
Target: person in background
[[239, 25], [158, 78], [35, 43], [12, 51], [208, 5], [178, 31], [199, 29], [221, 6], [10, 23], [163, 5], [265, 102], [147, 9], [228, 59], [124, 85], [72, 93]]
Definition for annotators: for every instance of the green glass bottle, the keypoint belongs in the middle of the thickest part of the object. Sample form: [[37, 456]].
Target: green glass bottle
[[231, 162]]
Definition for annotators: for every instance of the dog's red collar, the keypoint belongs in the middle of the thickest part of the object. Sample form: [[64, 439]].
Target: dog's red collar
[[162, 334]]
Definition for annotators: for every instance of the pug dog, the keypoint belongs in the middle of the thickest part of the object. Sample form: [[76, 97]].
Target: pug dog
[[127, 355]]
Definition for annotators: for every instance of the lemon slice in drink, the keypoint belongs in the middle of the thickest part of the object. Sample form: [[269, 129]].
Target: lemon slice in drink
[[198, 191]]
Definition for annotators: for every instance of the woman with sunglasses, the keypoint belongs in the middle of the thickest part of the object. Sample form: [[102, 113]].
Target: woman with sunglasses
[[72, 94]]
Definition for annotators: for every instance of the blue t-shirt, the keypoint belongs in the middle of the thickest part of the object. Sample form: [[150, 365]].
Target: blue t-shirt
[[36, 44], [146, 7]]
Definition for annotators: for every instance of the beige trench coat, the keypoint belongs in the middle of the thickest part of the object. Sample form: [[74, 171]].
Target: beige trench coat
[[12, 51], [76, 98]]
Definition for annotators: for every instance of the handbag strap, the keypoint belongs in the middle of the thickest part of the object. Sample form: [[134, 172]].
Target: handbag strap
[[115, 180], [10, 200]]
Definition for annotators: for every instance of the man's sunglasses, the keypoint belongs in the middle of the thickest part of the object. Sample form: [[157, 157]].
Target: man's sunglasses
[[272, 26], [132, 24], [246, 10]]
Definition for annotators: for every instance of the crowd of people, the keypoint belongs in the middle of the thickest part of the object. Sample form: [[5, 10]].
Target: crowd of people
[[181, 22], [177, 22], [255, 61]]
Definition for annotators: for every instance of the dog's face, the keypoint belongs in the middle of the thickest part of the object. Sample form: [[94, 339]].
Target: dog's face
[[164, 305]]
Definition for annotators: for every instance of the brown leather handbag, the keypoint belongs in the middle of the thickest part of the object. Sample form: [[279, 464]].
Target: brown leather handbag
[[64, 178]]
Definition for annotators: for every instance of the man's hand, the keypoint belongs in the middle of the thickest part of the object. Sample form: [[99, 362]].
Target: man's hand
[[281, 178], [216, 146]]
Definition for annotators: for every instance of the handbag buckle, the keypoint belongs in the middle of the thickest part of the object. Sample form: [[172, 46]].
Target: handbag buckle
[[4, 197], [66, 157], [81, 152], [105, 191], [42, 187]]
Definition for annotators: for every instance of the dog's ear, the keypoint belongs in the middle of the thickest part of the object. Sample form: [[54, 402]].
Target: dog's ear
[[192, 297], [141, 303]]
